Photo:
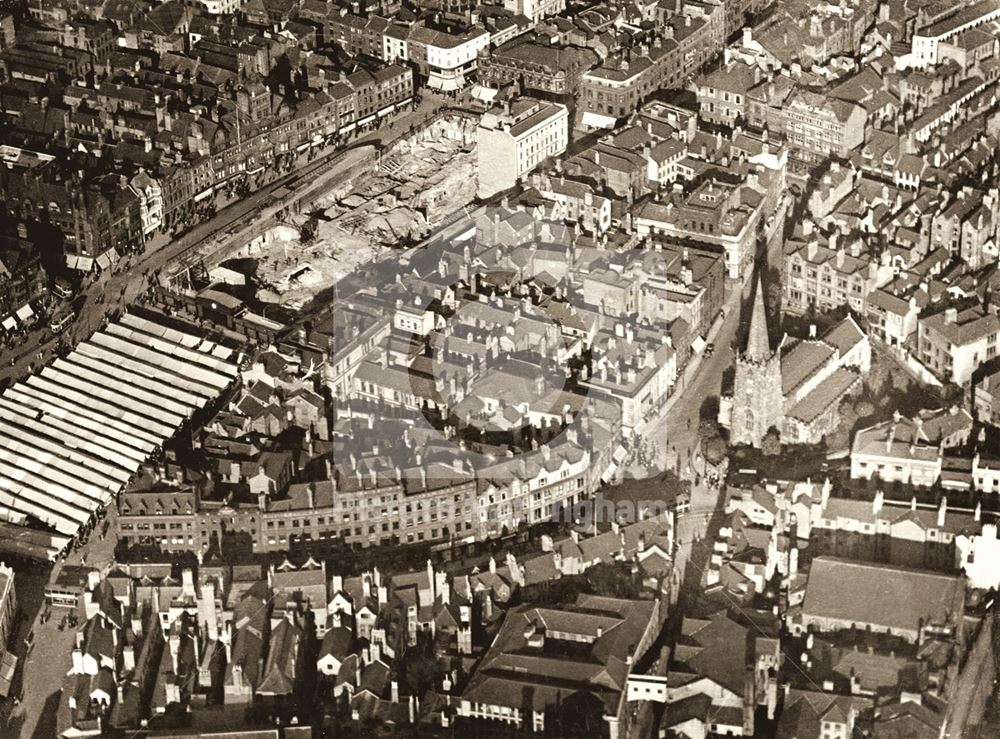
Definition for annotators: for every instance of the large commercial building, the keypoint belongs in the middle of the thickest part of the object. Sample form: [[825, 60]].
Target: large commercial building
[[543, 655], [536, 66], [516, 138], [843, 594], [361, 508], [927, 41], [817, 126], [446, 60]]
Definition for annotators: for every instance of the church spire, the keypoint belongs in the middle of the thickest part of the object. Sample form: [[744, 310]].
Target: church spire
[[758, 346]]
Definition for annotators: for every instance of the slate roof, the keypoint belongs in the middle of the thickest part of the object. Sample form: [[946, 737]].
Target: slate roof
[[562, 667], [280, 669], [805, 710], [715, 648], [891, 597]]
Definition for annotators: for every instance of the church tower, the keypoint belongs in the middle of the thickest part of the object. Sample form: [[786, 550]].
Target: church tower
[[757, 398]]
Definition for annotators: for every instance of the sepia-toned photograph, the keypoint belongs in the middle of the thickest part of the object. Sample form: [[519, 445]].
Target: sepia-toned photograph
[[491, 369]]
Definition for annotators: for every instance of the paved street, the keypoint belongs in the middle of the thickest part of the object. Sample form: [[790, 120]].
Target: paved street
[[48, 660], [676, 431], [975, 683], [44, 665], [117, 289]]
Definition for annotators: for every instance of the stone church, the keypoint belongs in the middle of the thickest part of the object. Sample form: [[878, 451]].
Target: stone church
[[797, 387], [757, 401]]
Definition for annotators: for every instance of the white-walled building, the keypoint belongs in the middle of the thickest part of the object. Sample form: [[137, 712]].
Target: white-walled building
[[953, 344], [447, 60], [927, 41], [909, 450], [535, 10], [150, 202], [978, 555], [222, 7], [516, 138]]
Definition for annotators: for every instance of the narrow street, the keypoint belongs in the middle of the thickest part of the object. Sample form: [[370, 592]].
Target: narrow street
[[676, 431], [975, 683]]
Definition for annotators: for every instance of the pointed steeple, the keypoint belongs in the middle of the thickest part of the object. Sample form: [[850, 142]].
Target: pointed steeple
[[758, 346]]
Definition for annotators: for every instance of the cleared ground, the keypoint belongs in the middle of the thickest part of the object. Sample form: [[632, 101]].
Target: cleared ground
[[361, 221]]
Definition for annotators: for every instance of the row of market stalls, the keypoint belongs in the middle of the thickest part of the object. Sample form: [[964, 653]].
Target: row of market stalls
[[21, 317], [73, 436], [104, 261]]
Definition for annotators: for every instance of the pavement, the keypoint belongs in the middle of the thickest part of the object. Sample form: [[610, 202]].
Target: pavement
[[975, 683], [45, 664], [48, 660], [675, 429]]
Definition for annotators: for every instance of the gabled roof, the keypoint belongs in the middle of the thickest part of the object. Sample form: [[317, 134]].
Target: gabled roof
[[281, 667], [804, 712], [714, 648], [596, 661], [891, 597]]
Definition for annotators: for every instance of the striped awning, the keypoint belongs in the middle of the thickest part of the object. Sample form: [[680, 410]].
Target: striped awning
[[72, 436]]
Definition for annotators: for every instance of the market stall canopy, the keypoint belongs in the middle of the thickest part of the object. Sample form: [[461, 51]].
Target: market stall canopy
[[73, 436]]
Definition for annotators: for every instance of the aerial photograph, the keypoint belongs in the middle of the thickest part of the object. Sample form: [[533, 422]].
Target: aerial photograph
[[460, 369]]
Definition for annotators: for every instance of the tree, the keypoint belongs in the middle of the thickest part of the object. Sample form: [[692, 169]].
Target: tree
[[611, 579], [715, 450], [771, 445], [709, 409], [582, 714], [419, 667], [308, 231]]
